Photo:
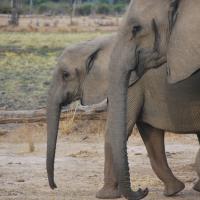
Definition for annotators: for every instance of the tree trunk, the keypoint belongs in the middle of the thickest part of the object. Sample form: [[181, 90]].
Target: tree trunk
[[14, 13], [73, 11], [31, 116], [30, 6]]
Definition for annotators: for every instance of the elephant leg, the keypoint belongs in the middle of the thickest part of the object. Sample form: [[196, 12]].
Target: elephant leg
[[197, 168], [110, 189], [154, 141]]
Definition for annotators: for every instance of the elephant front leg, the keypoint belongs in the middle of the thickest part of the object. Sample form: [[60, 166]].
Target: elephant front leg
[[110, 188], [154, 141]]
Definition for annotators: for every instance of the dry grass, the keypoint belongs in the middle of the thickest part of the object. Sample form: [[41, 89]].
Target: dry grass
[[28, 137], [66, 128], [70, 126], [27, 134], [61, 24], [84, 127]]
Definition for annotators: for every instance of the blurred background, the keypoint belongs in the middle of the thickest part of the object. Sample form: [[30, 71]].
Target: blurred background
[[33, 33]]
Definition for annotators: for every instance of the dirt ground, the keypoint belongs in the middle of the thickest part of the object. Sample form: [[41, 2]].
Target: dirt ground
[[79, 164]]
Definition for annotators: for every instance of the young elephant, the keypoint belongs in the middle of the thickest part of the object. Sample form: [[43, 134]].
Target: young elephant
[[81, 71]]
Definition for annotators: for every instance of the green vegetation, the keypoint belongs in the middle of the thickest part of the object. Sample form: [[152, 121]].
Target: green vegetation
[[81, 9], [56, 7], [26, 64], [104, 8], [85, 9], [100, 8]]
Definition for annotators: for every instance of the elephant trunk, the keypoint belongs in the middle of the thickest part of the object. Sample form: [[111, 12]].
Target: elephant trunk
[[117, 122], [53, 116], [117, 131]]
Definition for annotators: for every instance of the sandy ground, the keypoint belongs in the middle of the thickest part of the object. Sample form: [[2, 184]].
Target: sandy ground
[[79, 166]]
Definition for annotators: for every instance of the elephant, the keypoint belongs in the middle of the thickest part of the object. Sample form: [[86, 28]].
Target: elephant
[[159, 106], [82, 74], [80, 70]]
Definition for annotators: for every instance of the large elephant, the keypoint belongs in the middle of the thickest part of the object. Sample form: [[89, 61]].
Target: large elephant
[[147, 27]]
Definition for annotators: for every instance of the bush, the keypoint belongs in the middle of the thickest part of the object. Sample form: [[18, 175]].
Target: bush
[[5, 9], [85, 9], [53, 8], [103, 1], [43, 8], [119, 8], [103, 8]]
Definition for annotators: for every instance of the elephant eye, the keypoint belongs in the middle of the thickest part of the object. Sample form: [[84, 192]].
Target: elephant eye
[[136, 29], [65, 75]]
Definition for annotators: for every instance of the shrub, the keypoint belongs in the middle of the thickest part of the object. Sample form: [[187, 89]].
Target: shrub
[[54, 8], [119, 8], [43, 8], [85, 9], [103, 1], [5, 9], [103, 8]]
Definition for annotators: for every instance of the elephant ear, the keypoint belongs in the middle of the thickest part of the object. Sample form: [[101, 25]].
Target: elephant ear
[[90, 60], [94, 89], [95, 85], [183, 55]]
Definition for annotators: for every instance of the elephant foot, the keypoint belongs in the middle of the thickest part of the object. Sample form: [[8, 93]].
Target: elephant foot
[[140, 194], [197, 186], [174, 188], [108, 192]]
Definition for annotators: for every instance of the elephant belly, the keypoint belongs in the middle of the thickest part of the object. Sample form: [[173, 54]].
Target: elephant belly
[[172, 107]]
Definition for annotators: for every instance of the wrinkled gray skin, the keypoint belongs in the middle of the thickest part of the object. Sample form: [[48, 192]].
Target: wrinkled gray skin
[[146, 29], [82, 73], [156, 106], [81, 69], [186, 34]]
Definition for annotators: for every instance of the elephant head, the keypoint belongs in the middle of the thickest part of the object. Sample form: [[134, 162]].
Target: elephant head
[[81, 74], [149, 31]]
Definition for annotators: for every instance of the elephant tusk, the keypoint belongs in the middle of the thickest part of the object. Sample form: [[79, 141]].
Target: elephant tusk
[[99, 107]]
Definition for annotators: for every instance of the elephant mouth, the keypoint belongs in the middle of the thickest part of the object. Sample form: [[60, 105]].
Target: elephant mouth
[[67, 100], [70, 98]]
